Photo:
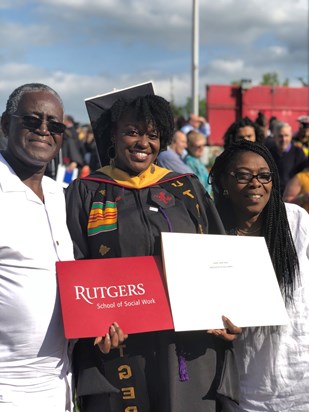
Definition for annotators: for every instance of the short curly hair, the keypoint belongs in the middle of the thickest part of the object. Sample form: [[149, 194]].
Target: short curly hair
[[151, 109]]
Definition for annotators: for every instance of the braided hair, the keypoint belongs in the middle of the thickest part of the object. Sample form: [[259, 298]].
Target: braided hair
[[230, 136], [275, 225], [150, 109]]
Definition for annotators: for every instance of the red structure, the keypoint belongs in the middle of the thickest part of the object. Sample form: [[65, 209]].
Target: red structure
[[226, 103]]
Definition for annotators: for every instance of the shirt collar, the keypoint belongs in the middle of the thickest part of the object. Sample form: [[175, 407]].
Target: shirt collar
[[10, 182]]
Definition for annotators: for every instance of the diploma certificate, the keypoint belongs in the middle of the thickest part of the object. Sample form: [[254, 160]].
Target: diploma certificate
[[213, 275]]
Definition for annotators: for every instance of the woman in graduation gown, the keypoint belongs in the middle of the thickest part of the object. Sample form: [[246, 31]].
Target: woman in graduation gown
[[119, 211]]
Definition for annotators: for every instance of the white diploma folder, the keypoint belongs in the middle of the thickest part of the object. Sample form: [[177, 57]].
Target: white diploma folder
[[213, 275]]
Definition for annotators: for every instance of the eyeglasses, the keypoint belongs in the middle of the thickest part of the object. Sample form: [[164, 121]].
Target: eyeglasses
[[246, 177], [33, 123]]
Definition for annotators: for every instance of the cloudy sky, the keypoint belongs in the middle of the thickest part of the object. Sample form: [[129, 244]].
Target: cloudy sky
[[82, 48]]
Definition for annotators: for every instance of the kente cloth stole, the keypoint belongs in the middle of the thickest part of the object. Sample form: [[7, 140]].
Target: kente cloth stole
[[103, 216]]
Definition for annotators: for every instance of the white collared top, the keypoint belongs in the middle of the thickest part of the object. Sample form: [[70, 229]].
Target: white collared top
[[33, 351]]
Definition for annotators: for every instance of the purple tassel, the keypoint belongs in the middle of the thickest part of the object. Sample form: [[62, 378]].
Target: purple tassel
[[182, 364]]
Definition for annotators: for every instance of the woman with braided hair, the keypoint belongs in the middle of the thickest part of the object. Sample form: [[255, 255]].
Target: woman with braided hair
[[119, 211], [273, 362]]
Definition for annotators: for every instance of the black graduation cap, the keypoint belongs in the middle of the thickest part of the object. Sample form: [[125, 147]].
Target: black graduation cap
[[99, 104]]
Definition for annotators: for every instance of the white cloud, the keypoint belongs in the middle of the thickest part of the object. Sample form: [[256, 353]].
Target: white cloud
[[227, 66], [278, 51], [86, 47]]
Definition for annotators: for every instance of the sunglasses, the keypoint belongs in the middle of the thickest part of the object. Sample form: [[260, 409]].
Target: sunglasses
[[246, 177], [33, 123]]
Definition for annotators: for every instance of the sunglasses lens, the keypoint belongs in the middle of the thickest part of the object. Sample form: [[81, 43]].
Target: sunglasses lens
[[32, 122], [56, 127]]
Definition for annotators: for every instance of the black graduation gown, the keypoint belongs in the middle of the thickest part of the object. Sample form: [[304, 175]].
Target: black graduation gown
[[144, 375]]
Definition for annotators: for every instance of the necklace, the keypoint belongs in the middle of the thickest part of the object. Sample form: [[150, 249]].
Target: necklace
[[248, 232]]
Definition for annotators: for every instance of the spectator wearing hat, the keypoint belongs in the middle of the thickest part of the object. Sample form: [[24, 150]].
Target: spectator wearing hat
[[301, 139]]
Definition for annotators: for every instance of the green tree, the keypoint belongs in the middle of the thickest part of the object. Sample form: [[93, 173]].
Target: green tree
[[186, 109], [270, 79], [177, 110]]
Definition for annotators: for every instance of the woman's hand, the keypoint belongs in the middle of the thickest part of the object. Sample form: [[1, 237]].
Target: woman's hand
[[230, 332], [111, 340]]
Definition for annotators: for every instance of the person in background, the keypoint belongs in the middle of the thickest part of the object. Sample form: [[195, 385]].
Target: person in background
[[243, 129], [180, 121], [297, 189], [3, 140], [262, 122], [199, 124], [69, 162], [301, 138], [168, 371], [91, 157], [34, 365], [271, 125], [273, 361], [172, 158], [288, 158], [269, 141], [193, 158], [72, 150]]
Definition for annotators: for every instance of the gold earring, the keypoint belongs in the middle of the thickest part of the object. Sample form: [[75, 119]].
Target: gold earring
[[111, 153]]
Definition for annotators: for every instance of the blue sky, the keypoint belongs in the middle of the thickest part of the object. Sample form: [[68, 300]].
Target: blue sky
[[82, 48]]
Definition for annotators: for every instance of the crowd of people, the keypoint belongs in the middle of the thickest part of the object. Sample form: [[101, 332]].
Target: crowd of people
[[136, 165]]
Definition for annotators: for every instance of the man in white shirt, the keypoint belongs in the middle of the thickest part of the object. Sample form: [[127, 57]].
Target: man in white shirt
[[34, 365]]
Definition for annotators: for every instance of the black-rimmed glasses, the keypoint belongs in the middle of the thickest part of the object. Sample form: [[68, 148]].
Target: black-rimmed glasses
[[33, 123], [246, 177]]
